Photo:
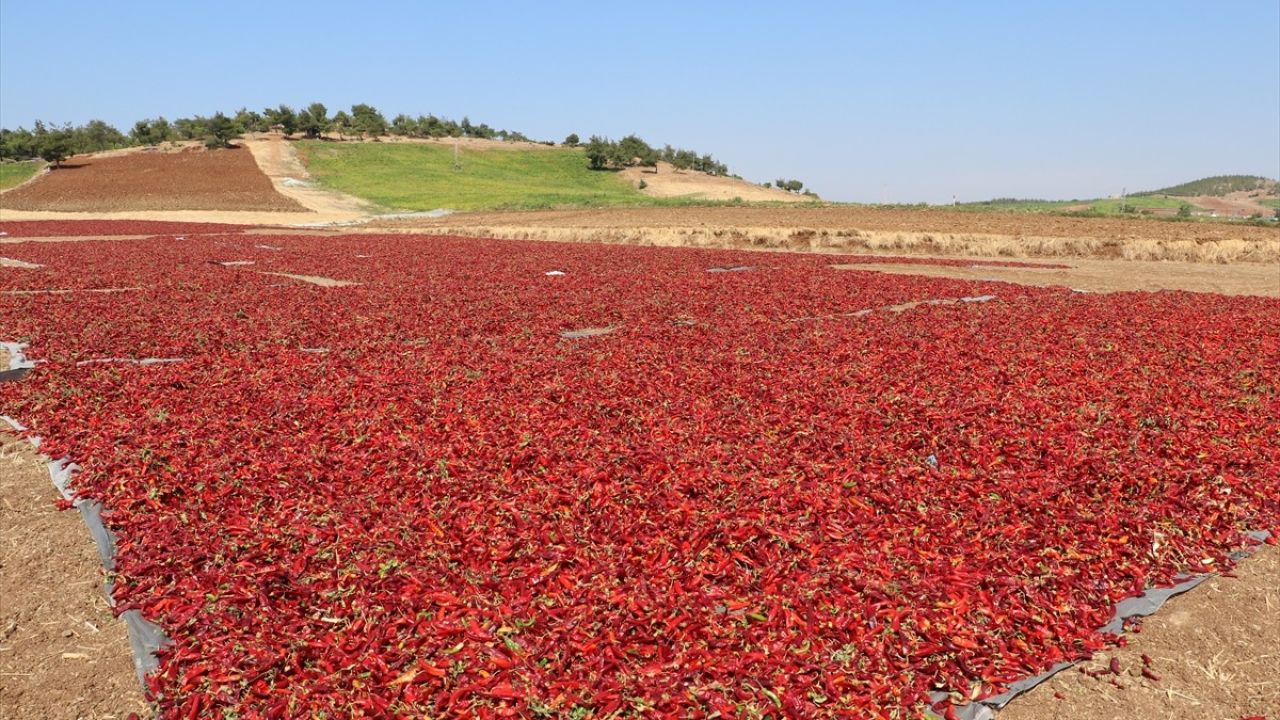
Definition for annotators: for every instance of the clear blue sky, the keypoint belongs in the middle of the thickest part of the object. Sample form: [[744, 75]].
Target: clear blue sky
[[871, 102]]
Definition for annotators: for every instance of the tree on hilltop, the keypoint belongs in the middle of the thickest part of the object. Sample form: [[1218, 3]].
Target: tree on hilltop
[[220, 131], [341, 123], [54, 145], [366, 120], [314, 120], [249, 121], [632, 150], [599, 152], [283, 116], [152, 132]]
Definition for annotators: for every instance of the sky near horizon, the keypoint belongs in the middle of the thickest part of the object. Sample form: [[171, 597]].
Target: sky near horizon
[[884, 102]]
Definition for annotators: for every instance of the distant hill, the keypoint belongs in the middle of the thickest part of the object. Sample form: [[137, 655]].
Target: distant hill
[[480, 174], [1217, 186]]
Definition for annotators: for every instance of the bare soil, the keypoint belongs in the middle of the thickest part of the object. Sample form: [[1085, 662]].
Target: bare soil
[[278, 160], [62, 652], [1111, 275], [1237, 204], [192, 179], [666, 181], [873, 230], [1215, 650], [313, 279]]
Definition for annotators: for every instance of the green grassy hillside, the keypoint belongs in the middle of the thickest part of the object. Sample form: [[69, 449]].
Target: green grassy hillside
[[422, 176], [1216, 186], [1102, 206], [13, 174]]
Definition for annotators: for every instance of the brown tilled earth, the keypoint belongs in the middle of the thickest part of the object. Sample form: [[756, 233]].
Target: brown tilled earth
[[62, 652], [193, 179]]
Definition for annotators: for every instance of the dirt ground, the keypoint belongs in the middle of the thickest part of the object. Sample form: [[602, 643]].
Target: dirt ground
[[1112, 275], [875, 230], [666, 181], [826, 217], [1236, 204], [278, 160], [1215, 650], [193, 179], [62, 653]]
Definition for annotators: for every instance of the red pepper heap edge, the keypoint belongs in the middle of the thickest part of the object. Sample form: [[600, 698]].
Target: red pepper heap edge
[[412, 496]]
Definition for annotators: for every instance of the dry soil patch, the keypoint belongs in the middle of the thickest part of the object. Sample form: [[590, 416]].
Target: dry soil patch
[[667, 181], [313, 279], [62, 652], [872, 230], [1110, 276], [1215, 650]]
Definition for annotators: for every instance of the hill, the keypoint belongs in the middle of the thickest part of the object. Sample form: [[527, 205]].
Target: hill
[[423, 175], [181, 178], [1218, 186], [1232, 196], [1098, 206]]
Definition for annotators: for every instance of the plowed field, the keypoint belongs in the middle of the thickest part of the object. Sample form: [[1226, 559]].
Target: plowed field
[[190, 180]]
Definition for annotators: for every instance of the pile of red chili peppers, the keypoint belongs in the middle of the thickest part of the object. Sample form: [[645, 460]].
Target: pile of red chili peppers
[[412, 496]]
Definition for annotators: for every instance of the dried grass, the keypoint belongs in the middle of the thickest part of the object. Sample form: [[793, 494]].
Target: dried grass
[[895, 242]]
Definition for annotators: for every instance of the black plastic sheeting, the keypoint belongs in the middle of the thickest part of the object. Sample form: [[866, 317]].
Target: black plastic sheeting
[[1151, 600], [145, 637], [18, 365]]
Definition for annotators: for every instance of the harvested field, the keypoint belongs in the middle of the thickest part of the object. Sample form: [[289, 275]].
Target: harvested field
[[445, 490], [894, 231], [1105, 275], [194, 179]]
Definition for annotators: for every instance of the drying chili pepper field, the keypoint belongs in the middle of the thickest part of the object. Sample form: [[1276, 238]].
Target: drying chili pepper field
[[522, 479]]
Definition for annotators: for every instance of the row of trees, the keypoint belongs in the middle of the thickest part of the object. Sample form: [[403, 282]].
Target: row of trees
[[794, 186], [632, 151], [54, 143]]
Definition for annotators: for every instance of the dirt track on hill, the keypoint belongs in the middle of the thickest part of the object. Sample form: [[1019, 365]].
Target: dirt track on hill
[[193, 179], [279, 161], [666, 181]]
